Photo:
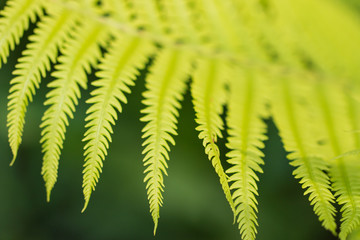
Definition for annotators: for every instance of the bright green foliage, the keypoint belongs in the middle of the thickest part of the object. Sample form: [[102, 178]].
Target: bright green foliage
[[345, 176], [79, 53], [337, 113], [296, 129], [209, 94], [335, 23], [33, 63], [355, 235], [165, 90], [118, 71], [181, 17], [47, 38], [246, 135], [15, 19], [295, 61]]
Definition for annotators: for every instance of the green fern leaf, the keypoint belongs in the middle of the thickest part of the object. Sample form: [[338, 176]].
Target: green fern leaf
[[209, 96], [347, 190], [42, 50], [165, 88], [334, 112], [246, 135], [117, 72], [81, 51], [315, 98], [14, 20], [297, 132]]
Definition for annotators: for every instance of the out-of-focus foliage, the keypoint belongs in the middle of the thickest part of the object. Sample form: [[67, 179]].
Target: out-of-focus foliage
[[295, 61]]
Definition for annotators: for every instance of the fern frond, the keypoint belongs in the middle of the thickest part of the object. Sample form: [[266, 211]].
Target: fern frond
[[315, 100], [32, 66], [347, 190], [80, 53], [246, 135], [15, 19], [118, 71], [165, 86], [209, 96], [337, 124], [297, 132]]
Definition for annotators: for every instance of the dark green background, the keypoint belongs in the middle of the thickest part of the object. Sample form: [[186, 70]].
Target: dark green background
[[194, 204]]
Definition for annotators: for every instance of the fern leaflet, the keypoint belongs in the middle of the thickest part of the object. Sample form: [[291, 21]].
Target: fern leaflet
[[118, 71], [42, 50], [289, 110], [346, 185], [344, 171], [165, 88], [209, 96], [14, 20], [80, 52], [246, 135]]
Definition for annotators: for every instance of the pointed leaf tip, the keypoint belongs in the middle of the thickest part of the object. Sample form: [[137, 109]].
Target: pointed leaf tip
[[155, 226], [48, 192], [13, 160], [85, 206]]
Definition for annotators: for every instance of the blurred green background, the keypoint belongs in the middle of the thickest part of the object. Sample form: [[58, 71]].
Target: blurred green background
[[194, 204]]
